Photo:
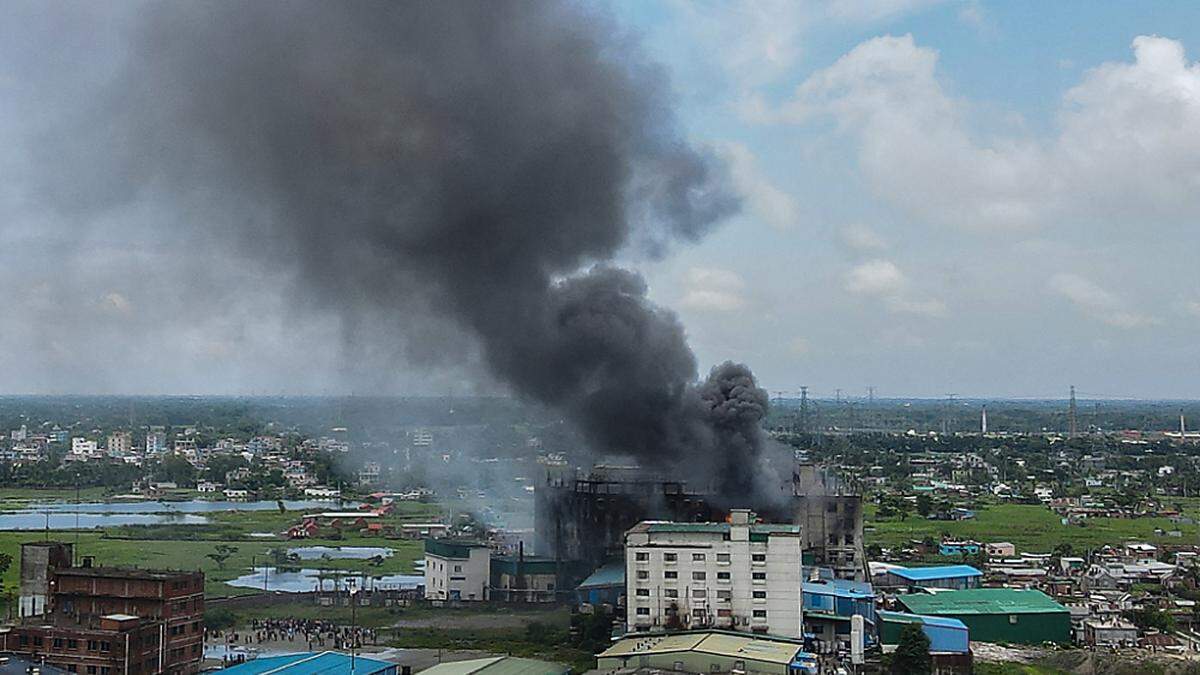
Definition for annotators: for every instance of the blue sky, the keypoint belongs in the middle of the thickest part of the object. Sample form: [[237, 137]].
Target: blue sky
[[992, 199]]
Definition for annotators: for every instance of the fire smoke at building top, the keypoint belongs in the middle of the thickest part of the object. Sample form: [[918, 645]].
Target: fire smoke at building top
[[472, 168]]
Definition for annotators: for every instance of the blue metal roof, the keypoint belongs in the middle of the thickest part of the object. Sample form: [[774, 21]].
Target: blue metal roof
[[612, 574], [935, 572], [940, 621], [839, 589], [311, 663]]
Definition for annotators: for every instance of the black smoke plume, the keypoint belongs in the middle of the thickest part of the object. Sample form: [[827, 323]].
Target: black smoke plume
[[484, 162]]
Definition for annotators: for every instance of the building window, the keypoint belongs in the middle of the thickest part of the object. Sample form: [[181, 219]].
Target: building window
[[91, 670], [760, 595], [72, 643], [725, 595], [698, 576], [37, 640], [760, 613], [643, 574], [697, 557], [643, 592], [759, 557], [722, 557], [106, 646], [643, 611], [671, 592], [699, 593], [669, 557], [458, 568], [670, 574], [93, 645], [759, 576], [723, 576], [58, 643], [641, 556]]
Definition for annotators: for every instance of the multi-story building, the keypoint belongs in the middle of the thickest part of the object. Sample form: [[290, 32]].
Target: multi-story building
[[84, 448], [740, 575], [106, 620], [156, 442], [120, 443], [456, 570]]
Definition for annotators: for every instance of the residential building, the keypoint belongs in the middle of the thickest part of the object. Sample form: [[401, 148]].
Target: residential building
[[156, 442], [120, 443], [740, 575], [1109, 633], [457, 570]]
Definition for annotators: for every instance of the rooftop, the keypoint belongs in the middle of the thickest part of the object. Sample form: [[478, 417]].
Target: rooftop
[[662, 526], [123, 573], [733, 645], [11, 664], [981, 601], [936, 572], [612, 574], [498, 665], [940, 621], [310, 663]]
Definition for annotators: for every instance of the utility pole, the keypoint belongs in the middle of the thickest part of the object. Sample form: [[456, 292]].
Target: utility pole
[[1072, 419]]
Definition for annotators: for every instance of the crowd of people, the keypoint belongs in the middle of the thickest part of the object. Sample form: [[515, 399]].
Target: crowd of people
[[316, 634]]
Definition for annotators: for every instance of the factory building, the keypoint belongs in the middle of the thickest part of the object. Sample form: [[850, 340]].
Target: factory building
[[998, 614], [457, 570], [951, 577], [106, 620], [708, 652], [829, 607], [949, 640], [740, 575], [584, 517]]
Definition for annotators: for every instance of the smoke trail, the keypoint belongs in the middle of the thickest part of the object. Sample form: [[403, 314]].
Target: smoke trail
[[480, 162]]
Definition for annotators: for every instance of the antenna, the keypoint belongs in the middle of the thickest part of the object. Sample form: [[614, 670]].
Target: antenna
[[870, 394], [803, 409], [1072, 412], [946, 417], [983, 421]]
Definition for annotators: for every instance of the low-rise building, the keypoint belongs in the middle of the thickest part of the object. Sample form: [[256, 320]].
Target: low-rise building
[[954, 577], [1109, 633], [457, 570], [709, 652], [998, 614]]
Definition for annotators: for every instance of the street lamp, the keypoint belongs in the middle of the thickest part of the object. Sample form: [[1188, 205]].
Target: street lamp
[[351, 582]]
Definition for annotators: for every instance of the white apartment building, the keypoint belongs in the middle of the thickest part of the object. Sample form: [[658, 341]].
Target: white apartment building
[[457, 570], [156, 442], [82, 447], [739, 575]]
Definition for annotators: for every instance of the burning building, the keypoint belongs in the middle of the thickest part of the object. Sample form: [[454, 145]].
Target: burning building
[[106, 620], [583, 517]]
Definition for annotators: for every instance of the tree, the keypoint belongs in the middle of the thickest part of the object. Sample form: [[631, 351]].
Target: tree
[[221, 554], [912, 653], [924, 505]]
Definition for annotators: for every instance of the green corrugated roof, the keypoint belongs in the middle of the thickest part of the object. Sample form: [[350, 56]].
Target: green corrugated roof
[[981, 601], [498, 665]]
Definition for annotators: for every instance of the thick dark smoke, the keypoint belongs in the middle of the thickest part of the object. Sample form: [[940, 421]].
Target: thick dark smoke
[[483, 162]]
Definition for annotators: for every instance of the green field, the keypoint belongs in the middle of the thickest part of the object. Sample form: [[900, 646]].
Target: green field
[[1032, 528], [186, 547]]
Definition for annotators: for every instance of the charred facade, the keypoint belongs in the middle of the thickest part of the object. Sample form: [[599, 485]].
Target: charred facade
[[583, 516]]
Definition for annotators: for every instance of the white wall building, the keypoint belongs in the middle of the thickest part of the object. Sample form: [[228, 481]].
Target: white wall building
[[739, 575], [457, 570]]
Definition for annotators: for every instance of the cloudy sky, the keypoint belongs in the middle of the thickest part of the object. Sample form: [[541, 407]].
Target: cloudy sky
[[991, 199]]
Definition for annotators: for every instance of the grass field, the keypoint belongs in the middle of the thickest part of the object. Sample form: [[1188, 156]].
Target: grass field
[[187, 546], [1031, 528]]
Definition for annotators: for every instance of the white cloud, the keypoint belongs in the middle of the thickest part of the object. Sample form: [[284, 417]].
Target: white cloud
[[765, 201], [876, 277], [1128, 142], [115, 303], [884, 280], [1097, 302], [861, 239], [713, 290]]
